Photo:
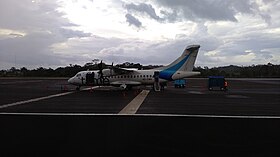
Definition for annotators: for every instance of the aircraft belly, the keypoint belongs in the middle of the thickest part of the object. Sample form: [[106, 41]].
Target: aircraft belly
[[125, 82]]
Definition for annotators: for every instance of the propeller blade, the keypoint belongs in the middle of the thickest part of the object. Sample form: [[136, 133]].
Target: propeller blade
[[100, 66], [111, 68]]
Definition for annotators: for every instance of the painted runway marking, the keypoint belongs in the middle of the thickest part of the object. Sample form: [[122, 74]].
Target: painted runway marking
[[133, 106], [195, 92], [142, 115], [237, 96], [33, 100], [14, 82], [41, 98]]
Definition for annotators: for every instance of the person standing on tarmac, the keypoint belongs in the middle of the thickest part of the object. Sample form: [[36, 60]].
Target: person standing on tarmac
[[225, 85]]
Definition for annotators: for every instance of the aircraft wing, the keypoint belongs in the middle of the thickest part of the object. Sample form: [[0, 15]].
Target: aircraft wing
[[120, 71]]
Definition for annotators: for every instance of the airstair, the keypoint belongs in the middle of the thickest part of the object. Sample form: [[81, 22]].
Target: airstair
[[156, 81]]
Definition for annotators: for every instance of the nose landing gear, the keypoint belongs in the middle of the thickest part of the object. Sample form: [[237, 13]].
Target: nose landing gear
[[78, 88]]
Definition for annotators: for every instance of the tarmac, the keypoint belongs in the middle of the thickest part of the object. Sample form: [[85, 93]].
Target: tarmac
[[49, 117]]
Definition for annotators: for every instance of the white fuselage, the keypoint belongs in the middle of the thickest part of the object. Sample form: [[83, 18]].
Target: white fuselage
[[139, 77]]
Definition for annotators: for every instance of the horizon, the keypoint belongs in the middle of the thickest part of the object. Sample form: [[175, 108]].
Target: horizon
[[222, 66]]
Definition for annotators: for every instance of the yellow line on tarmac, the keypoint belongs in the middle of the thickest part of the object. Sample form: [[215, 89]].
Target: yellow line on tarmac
[[133, 106]]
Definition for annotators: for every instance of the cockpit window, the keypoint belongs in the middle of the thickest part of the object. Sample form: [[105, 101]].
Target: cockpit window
[[78, 75]]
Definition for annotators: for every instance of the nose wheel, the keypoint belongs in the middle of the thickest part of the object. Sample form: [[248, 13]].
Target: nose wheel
[[78, 88]]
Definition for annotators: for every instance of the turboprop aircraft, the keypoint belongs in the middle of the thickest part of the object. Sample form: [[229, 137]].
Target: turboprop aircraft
[[127, 78]]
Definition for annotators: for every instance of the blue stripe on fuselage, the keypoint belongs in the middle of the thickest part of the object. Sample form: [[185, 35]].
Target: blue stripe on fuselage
[[167, 73]]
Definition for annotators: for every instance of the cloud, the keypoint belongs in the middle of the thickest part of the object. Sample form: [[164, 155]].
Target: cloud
[[30, 50], [39, 33], [197, 10], [218, 10], [33, 27], [147, 10], [257, 47], [133, 21], [68, 33], [143, 8]]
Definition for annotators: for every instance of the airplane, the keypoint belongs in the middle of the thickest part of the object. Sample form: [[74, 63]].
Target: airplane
[[127, 78]]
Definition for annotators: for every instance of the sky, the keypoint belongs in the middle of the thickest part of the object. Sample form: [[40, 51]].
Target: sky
[[55, 33]]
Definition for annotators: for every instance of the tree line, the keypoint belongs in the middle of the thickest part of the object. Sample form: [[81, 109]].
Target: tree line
[[267, 70]]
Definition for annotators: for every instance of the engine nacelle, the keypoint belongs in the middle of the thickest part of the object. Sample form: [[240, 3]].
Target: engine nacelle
[[183, 74]]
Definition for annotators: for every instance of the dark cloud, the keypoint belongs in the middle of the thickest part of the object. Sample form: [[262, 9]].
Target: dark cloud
[[40, 35], [26, 15], [133, 20], [196, 10], [68, 33], [169, 16], [199, 10], [246, 49], [31, 50], [218, 10], [143, 8], [41, 24]]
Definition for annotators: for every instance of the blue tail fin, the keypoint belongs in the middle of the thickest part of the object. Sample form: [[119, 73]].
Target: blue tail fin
[[184, 63]]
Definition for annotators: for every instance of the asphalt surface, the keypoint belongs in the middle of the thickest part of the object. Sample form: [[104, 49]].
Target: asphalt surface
[[48, 117], [244, 97]]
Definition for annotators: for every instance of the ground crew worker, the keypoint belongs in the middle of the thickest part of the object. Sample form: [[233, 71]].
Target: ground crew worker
[[226, 84]]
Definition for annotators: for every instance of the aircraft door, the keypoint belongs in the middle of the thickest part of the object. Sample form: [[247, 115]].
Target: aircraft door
[[90, 78], [156, 81]]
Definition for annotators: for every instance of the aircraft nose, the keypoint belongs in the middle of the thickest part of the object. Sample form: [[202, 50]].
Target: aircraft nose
[[70, 81]]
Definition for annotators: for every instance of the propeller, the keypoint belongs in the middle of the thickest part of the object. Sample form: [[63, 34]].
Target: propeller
[[111, 68], [100, 67]]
